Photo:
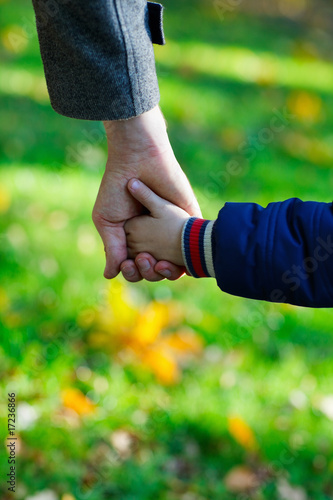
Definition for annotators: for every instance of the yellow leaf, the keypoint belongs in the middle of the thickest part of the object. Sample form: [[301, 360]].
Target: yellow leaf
[[122, 314], [99, 339], [150, 323], [14, 38], [162, 365], [75, 400], [4, 299], [67, 496], [86, 317], [4, 200], [305, 106], [231, 138], [241, 432], [319, 153], [184, 343], [12, 319]]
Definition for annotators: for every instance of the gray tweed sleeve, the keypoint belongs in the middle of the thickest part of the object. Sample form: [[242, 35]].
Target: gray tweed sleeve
[[98, 56]]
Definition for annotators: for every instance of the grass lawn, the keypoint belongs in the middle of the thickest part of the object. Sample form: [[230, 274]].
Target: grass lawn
[[167, 391]]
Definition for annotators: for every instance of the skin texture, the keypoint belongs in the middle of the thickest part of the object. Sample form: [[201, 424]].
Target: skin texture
[[138, 148], [158, 233]]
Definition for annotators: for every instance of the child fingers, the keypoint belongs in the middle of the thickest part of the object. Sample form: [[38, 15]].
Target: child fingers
[[145, 195]]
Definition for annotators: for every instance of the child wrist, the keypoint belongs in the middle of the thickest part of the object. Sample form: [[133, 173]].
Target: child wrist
[[196, 245]]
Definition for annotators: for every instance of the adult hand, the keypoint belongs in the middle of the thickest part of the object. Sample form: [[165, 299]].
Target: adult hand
[[140, 148]]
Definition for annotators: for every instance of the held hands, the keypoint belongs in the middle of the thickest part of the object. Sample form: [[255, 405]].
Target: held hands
[[158, 233], [138, 148]]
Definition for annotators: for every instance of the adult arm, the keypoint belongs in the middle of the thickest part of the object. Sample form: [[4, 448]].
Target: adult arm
[[281, 253], [98, 56], [99, 65]]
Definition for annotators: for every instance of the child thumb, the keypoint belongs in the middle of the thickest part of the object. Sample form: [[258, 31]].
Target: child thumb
[[145, 195]]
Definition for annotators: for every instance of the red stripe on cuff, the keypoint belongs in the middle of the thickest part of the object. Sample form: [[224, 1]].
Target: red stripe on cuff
[[194, 247]]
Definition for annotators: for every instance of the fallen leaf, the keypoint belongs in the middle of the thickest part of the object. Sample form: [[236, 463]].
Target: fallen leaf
[[162, 364], [4, 299], [184, 343], [4, 200], [99, 339], [123, 442], [150, 323], [241, 479], [74, 399], [242, 433], [305, 106]]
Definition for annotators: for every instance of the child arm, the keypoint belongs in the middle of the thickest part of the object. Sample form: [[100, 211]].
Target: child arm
[[281, 253]]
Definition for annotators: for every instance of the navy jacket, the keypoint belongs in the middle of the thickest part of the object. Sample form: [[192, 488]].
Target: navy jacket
[[281, 253]]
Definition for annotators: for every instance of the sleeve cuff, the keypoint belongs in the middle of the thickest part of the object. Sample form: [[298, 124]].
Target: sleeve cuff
[[197, 247]]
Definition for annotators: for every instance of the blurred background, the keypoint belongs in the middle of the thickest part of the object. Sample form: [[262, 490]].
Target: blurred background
[[168, 391]]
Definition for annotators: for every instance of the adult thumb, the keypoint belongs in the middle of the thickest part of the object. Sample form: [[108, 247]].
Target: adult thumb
[[145, 196]]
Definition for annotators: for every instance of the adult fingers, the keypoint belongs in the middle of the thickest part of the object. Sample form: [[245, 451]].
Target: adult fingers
[[114, 239]]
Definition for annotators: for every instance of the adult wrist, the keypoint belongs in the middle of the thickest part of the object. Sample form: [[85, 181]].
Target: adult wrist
[[138, 133], [197, 248]]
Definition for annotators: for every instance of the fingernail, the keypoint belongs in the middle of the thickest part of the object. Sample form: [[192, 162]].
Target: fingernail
[[128, 271], [135, 185], [144, 264], [166, 273]]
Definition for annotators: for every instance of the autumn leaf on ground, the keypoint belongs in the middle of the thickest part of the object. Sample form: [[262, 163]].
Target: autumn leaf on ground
[[150, 323], [162, 364], [99, 339], [241, 479], [124, 442], [242, 433], [184, 344], [74, 399], [4, 300], [305, 106], [4, 200], [140, 335], [119, 314]]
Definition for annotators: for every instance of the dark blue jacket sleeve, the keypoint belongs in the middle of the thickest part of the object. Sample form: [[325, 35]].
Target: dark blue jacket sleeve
[[281, 253]]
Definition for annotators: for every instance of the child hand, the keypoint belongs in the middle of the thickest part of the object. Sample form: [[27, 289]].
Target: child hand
[[158, 233]]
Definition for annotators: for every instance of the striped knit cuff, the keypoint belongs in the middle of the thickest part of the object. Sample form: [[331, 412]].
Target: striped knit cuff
[[197, 247]]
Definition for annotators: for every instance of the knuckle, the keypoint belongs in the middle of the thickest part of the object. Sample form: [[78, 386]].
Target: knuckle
[[146, 194], [96, 217]]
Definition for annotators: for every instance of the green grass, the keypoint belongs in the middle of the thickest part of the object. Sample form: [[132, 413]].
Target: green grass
[[221, 83]]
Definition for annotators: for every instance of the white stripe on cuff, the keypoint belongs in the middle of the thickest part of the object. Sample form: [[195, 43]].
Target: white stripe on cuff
[[208, 251], [183, 246]]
